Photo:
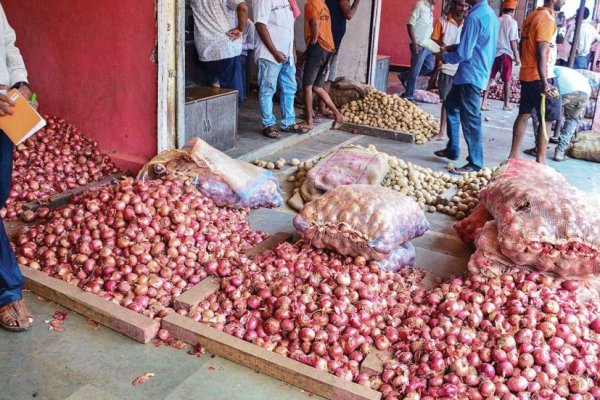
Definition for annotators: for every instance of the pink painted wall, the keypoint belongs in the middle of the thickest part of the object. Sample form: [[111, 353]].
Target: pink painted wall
[[90, 62], [393, 36]]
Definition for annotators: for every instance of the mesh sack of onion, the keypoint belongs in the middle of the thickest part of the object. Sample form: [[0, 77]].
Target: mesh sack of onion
[[361, 220], [543, 221], [468, 228]]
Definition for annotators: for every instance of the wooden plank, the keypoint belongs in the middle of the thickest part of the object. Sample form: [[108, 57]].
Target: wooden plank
[[445, 197], [61, 199], [270, 243], [264, 361], [374, 362], [109, 314], [193, 297], [378, 132]]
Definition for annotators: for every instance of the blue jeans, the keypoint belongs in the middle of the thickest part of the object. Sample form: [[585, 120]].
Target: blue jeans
[[581, 62], [11, 280], [421, 63], [270, 75], [463, 106], [228, 73]]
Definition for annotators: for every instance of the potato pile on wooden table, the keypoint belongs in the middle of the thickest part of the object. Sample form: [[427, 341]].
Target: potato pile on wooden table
[[386, 111]]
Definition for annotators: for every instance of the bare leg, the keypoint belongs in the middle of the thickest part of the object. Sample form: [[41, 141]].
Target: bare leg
[[443, 123], [518, 133], [308, 103], [324, 96], [507, 94], [542, 143], [322, 107], [485, 106]]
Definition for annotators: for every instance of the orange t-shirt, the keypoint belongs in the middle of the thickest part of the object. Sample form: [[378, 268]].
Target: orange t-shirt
[[540, 26], [316, 10]]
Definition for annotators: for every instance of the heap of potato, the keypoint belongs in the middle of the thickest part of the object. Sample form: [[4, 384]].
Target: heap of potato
[[423, 185], [387, 111]]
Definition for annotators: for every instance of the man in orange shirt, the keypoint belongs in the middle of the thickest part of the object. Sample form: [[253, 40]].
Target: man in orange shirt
[[319, 49], [538, 58]]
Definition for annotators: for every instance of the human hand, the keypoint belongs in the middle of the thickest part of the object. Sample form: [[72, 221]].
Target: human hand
[[280, 57], [235, 34], [549, 90], [414, 48], [28, 94], [6, 104]]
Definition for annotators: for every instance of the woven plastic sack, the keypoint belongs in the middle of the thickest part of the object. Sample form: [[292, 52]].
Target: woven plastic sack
[[424, 96], [403, 256], [361, 220], [594, 80], [543, 221], [586, 146], [468, 228], [344, 91], [228, 182]]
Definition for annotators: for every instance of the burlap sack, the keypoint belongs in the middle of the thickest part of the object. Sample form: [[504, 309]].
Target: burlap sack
[[586, 146], [344, 91]]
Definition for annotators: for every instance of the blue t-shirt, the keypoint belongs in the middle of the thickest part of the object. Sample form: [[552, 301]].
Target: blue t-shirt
[[338, 22]]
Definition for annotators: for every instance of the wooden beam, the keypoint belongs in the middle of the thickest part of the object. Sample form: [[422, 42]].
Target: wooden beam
[[61, 199], [269, 243], [264, 361], [192, 297], [373, 364], [378, 132], [111, 315]]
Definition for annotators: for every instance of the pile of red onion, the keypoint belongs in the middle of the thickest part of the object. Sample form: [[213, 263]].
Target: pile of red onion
[[312, 305], [56, 159], [518, 336], [497, 91], [137, 243]]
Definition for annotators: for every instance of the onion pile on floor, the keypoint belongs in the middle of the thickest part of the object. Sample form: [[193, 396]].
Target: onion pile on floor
[[56, 159]]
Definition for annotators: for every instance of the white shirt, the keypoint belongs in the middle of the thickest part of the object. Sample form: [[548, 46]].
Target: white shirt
[[12, 67], [421, 19], [450, 36], [248, 37], [509, 31], [587, 36], [278, 17], [211, 24], [571, 81]]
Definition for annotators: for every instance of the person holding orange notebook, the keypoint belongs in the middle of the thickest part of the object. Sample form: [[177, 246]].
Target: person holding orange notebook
[[14, 315]]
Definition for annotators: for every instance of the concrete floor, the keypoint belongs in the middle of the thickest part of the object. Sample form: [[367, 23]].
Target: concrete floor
[[83, 363]]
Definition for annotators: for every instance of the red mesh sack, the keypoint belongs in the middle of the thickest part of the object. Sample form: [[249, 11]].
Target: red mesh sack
[[543, 221], [468, 228], [361, 220]]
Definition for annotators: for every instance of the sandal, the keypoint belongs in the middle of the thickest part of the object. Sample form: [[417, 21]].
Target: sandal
[[297, 129], [15, 317], [443, 154], [462, 170], [271, 132], [486, 107], [316, 118], [531, 152]]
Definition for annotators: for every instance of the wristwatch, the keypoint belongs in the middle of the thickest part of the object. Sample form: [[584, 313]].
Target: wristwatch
[[19, 85]]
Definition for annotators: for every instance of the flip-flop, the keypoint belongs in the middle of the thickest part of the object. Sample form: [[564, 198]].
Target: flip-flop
[[462, 170], [296, 128], [533, 151], [316, 118], [271, 132], [18, 313], [486, 108]]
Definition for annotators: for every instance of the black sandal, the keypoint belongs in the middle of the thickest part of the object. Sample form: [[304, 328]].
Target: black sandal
[[443, 154], [271, 132], [297, 129]]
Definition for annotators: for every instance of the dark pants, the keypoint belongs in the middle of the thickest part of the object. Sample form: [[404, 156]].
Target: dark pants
[[11, 280], [421, 63], [228, 73], [464, 107]]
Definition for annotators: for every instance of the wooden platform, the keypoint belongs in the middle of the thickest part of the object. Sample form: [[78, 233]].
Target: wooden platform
[[378, 132]]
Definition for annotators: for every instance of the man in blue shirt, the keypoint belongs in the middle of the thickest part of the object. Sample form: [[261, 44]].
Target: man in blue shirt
[[475, 54]]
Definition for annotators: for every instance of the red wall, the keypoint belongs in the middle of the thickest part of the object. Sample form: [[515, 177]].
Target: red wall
[[393, 36], [90, 62]]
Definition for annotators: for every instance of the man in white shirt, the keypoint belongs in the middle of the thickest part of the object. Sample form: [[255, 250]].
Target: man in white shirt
[[507, 52], [446, 33], [219, 47], [587, 37], [422, 60], [14, 315], [274, 54]]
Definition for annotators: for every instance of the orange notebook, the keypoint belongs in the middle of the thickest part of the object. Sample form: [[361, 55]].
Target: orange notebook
[[24, 122]]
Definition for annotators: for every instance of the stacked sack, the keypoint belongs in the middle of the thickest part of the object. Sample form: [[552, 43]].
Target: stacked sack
[[364, 221], [538, 221]]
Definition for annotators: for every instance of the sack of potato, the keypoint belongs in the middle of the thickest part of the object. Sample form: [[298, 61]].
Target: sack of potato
[[344, 91], [382, 110], [586, 146], [361, 220]]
